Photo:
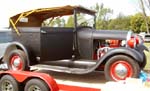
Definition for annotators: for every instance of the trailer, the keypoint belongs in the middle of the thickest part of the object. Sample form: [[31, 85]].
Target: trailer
[[34, 81]]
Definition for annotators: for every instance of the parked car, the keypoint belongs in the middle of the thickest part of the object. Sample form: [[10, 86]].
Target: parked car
[[5, 39], [40, 41], [145, 36]]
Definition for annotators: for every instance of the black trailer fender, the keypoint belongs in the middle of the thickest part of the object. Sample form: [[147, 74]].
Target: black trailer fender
[[14, 46], [124, 51]]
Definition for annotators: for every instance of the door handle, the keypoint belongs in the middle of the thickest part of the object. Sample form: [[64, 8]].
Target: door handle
[[42, 31]]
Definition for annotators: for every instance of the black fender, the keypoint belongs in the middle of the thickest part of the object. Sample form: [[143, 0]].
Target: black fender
[[124, 51], [117, 51], [13, 46]]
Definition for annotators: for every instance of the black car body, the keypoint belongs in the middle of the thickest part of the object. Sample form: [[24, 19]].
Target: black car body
[[79, 49]]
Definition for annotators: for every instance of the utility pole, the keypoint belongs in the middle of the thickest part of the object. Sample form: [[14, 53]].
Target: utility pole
[[144, 15]]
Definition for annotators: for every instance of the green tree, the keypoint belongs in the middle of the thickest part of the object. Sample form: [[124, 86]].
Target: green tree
[[120, 23], [58, 22], [103, 15], [137, 23], [70, 22], [54, 22]]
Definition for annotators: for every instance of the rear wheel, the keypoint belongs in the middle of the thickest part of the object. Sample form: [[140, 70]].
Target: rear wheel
[[36, 85], [120, 67], [17, 60], [8, 83]]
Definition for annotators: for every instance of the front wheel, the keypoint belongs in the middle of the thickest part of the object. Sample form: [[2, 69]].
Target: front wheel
[[120, 67], [17, 60]]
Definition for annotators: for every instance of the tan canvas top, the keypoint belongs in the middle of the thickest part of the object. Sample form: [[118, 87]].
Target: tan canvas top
[[35, 17]]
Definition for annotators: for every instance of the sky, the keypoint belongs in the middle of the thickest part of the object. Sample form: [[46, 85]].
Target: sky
[[12, 7]]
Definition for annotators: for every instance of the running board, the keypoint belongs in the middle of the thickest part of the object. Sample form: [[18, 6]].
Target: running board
[[60, 69], [81, 63]]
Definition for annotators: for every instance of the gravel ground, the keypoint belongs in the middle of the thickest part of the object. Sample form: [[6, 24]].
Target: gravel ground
[[93, 80]]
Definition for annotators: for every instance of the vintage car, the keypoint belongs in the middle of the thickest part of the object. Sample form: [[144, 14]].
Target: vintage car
[[76, 48]]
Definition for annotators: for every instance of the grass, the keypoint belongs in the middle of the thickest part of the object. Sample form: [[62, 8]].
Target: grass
[[147, 67]]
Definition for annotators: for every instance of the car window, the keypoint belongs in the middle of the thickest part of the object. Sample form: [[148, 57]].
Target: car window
[[85, 20], [60, 21]]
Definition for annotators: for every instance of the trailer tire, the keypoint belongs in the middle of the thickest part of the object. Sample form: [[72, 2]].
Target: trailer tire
[[17, 60], [8, 83], [36, 85]]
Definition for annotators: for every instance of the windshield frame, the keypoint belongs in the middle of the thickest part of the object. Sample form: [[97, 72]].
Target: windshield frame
[[77, 11]]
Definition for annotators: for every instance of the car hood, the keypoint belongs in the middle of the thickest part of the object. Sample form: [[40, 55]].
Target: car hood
[[111, 34]]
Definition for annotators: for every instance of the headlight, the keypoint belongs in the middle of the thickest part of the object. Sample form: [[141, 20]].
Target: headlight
[[132, 42]]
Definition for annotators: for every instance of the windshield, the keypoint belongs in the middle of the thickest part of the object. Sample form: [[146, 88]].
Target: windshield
[[84, 19]]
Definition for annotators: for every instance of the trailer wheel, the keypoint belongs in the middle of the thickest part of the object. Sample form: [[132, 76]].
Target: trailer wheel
[[120, 67], [8, 83], [36, 85], [17, 60]]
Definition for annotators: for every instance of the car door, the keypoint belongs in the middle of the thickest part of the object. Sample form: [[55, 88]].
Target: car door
[[56, 43]]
